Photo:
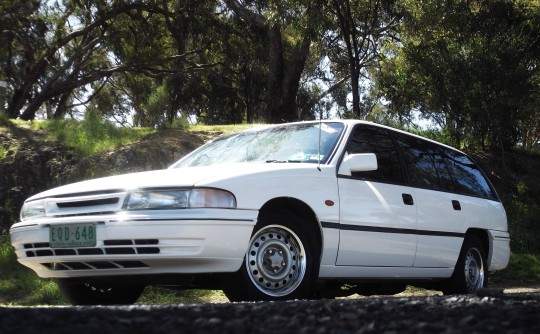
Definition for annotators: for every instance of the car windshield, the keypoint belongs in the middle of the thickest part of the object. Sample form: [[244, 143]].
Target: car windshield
[[287, 143]]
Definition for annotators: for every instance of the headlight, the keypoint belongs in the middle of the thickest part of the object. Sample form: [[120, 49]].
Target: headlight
[[33, 209], [179, 199]]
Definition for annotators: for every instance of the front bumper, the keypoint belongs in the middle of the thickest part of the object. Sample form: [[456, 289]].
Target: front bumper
[[150, 242]]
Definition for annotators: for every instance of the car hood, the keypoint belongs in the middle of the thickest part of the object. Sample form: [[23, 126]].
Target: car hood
[[177, 177], [181, 177]]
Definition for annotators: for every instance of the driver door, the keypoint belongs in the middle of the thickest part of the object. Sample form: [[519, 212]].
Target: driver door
[[378, 218]]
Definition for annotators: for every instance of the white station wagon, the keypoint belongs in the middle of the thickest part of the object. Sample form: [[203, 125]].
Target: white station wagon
[[287, 211]]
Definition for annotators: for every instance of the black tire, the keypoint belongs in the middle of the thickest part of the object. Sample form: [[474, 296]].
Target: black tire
[[78, 293], [282, 262], [470, 273]]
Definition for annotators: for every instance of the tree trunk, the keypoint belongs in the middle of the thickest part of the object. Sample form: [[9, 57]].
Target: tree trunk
[[291, 80], [283, 73], [16, 103], [61, 109], [275, 76], [355, 92], [179, 30], [248, 96]]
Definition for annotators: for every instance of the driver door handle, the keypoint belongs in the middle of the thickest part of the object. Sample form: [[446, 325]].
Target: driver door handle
[[407, 199]]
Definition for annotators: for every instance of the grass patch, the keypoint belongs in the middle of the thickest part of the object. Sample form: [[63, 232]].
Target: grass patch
[[523, 269], [3, 152], [4, 118], [94, 134], [523, 226], [225, 129], [157, 295], [91, 135], [20, 285]]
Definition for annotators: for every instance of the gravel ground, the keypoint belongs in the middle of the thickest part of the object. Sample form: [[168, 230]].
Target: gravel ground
[[490, 311]]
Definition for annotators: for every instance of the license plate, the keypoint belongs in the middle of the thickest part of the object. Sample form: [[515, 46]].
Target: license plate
[[72, 235]]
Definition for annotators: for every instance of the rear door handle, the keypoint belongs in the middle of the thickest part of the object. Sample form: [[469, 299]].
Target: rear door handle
[[407, 199], [456, 205]]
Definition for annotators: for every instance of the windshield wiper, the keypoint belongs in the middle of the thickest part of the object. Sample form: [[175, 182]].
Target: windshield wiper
[[282, 161]]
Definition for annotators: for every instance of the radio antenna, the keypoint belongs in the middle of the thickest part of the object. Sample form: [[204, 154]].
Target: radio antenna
[[319, 146]]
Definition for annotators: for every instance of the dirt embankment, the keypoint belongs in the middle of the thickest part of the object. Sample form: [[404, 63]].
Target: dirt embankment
[[30, 163]]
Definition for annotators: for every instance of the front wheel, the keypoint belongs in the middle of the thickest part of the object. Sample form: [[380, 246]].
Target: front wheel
[[78, 293], [281, 263], [470, 273]]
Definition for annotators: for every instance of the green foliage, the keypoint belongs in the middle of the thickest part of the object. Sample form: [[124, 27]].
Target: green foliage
[[91, 135], [20, 285], [4, 118], [350, 53], [522, 188], [222, 128], [523, 269], [472, 67], [154, 113], [524, 226], [156, 295]]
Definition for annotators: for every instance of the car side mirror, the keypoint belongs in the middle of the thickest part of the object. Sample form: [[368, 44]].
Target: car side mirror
[[360, 162]]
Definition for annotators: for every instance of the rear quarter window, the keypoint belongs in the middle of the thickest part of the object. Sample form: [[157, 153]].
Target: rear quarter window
[[468, 177], [436, 167]]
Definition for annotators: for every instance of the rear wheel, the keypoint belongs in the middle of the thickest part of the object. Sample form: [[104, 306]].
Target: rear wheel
[[78, 293], [470, 273], [281, 262]]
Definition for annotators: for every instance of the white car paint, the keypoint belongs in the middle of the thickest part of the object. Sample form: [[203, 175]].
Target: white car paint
[[366, 229]]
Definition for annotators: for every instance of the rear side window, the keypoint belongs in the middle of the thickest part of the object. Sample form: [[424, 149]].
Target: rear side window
[[443, 169], [368, 139], [420, 159], [469, 179], [435, 167]]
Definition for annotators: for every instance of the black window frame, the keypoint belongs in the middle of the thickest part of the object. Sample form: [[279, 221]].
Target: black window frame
[[425, 149], [492, 193], [437, 151], [365, 176]]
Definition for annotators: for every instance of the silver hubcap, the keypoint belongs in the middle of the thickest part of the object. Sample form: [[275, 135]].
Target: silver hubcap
[[276, 261], [474, 270]]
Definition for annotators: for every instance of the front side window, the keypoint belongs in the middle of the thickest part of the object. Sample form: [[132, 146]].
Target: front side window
[[300, 143], [369, 139]]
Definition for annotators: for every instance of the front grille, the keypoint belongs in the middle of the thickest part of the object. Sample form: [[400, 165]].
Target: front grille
[[110, 247], [86, 214], [78, 204], [94, 265], [92, 203]]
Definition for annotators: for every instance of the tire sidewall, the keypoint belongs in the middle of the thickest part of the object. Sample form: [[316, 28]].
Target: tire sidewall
[[241, 288], [458, 282]]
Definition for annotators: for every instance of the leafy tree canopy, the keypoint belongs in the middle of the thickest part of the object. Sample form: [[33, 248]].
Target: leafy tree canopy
[[469, 66]]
